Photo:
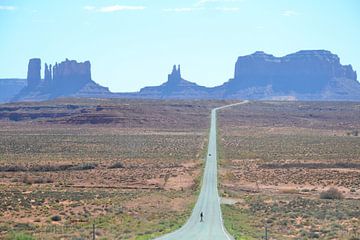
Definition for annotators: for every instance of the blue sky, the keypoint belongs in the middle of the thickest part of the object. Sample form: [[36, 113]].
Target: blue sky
[[134, 43]]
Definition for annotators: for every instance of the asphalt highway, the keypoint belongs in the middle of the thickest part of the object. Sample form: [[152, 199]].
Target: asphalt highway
[[212, 226]]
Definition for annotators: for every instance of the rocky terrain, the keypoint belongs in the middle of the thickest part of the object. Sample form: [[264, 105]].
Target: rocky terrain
[[68, 78], [175, 88], [277, 161], [304, 75], [307, 75]]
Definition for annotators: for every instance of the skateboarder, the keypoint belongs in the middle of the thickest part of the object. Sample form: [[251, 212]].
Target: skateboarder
[[201, 217]]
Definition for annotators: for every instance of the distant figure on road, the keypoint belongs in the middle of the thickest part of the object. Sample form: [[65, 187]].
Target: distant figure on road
[[201, 217]]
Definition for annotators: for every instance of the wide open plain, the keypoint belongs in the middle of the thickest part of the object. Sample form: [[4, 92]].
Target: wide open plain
[[276, 160], [130, 167], [133, 168]]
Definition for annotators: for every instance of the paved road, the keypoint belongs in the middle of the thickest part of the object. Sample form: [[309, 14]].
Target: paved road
[[212, 228]]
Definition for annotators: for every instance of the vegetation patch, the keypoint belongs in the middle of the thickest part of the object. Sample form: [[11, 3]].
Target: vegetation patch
[[332, 193], [278, 161], [239, 223], [130, 167]]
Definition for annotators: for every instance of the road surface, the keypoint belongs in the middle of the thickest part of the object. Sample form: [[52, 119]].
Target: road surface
[[212, 228]]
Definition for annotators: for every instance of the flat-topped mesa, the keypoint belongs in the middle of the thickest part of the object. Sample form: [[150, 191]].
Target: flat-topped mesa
[[320, 63], [33, 74], [304, 71], [71, 71]]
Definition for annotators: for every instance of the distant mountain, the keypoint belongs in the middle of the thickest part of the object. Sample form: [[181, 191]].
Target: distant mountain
[[66, 79], [304, 75], [10, 87]]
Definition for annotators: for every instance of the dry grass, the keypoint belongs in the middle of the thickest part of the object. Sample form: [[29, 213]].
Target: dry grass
[[279, 157], [132, 167]]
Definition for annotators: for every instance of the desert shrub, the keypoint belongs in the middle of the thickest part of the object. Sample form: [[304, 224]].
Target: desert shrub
[[355, 238], [354, 133], [38, 168], [314, 235], [20, 236], [50, 168], [331, 193], [27, 180], [116, 165], [310, 165], [84, 166], [56, 218], [12, 168], [40, 180]]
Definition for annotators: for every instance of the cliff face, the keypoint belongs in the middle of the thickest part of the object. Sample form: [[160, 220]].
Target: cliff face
[[318, 63], [66, 79], [305, 74], [69, 71], [33, 74]]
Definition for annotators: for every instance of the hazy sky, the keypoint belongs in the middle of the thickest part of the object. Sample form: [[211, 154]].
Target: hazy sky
[[134, 43]]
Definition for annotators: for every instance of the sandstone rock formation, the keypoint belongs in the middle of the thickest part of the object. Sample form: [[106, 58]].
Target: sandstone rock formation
[[175, 88], [33, 74], [47, 73], [66, 79], [70, 76], [304, 75], [69, 71], [175, 75], [312, 74]]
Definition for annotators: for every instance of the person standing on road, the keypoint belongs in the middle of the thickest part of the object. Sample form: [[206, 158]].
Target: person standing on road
[[201, 217]]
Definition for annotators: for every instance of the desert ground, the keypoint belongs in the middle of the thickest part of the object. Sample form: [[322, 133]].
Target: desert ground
[[130, 167], [133, 168], [278, 161]]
